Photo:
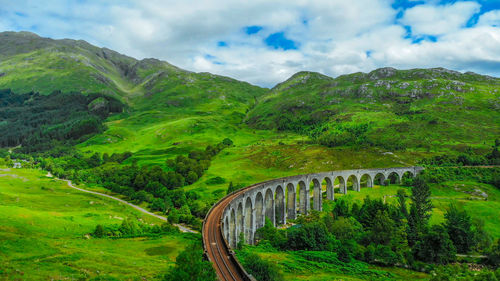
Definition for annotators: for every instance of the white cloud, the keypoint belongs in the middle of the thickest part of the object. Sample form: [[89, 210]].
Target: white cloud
[[334, 36], [491, 18], [441, 19]]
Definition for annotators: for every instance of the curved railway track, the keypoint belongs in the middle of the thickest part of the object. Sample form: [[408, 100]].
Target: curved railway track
[[216, 248], [215, 245]]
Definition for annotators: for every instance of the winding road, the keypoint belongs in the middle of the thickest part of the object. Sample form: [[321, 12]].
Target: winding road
[[142, 210]]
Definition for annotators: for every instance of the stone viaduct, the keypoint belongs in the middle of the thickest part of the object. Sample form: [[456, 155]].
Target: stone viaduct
[[284, 198]]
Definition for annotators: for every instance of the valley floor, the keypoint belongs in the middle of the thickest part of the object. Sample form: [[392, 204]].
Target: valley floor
[[44, 230]]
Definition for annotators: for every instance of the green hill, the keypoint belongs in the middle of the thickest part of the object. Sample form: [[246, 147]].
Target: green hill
[[164, 100], [32, 63], [420, 109]]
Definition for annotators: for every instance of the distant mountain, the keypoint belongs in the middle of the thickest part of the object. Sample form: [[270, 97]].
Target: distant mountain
[[389, 108], [32, 63]]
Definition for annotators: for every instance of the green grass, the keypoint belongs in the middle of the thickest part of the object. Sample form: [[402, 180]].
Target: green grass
[[44, 226], [433, 112]]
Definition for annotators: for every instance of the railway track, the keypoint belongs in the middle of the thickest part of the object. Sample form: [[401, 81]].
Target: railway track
[[216, 247]]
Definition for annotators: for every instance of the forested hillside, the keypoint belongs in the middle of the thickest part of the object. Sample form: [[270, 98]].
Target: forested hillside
[[39, 123]]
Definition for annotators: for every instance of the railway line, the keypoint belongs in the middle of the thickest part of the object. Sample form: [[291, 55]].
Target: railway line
[[215, 245]]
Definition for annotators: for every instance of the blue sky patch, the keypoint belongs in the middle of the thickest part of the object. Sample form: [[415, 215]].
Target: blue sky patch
[[405, 4], [279, 41], [430, 38], [221, 44], [253, 29], [213, 59], [20, 14], [408, 31], [209, 57]]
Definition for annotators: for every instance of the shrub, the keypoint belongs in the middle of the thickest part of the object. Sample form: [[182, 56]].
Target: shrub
[[261, 269], [190, 265]]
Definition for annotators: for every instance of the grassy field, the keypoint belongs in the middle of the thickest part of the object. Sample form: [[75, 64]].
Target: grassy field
[[44, 226]]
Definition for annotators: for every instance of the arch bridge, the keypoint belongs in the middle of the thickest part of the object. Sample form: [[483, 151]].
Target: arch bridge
[[244, 211]]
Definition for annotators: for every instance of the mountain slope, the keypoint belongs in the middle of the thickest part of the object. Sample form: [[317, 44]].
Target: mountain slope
[[388, 108], [32, 63], [165, 101]]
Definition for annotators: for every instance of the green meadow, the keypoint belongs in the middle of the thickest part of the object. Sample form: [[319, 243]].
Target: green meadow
[[44, 227], [295, 265]]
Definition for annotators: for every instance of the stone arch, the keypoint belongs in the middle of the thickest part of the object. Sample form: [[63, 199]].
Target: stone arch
[[353, 179], [269, 205], [394, 178], [232, 229], [290, 201], [248, 221], [317, 196], [340, 181], [329, 188], [303, 197], [279, 208], [365, 181], [407, 174], [239, 222], [379, 179], [259, 211]]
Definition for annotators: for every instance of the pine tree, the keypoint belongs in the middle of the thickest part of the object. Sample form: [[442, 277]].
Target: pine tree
[[230, 187], [458, 224], [420, 210], [401, 195]]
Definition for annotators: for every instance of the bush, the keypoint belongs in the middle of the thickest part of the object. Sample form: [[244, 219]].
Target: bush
[[261, 269], [435, 246], [99, 231], [215, 180], [310, 236], [190, 265]]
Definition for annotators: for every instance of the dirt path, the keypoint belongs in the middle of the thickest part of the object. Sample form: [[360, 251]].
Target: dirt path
[[142, 210]]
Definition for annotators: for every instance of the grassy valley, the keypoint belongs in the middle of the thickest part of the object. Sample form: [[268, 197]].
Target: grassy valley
[[173, 141], [45, 233]]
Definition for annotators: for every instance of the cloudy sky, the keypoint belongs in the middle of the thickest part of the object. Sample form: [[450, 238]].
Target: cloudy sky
[[265, 42]]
